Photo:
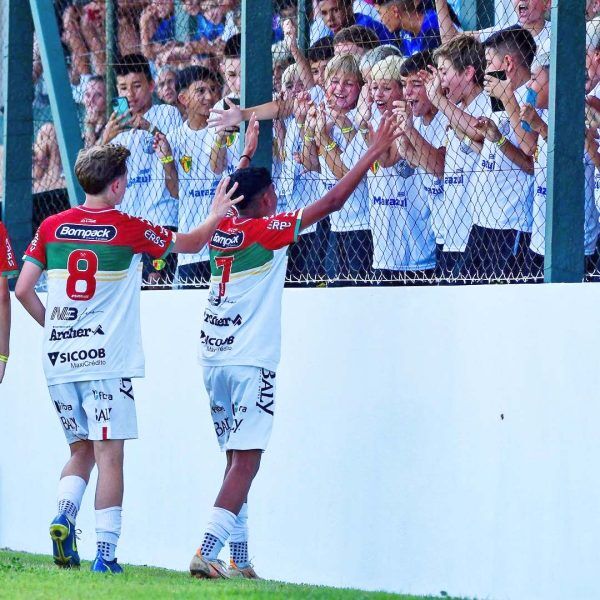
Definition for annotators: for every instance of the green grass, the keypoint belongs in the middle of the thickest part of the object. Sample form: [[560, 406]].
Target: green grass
[[34, 576]]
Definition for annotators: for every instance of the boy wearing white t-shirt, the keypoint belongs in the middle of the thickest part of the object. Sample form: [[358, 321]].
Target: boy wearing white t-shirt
[[456, 90], [147, 195]]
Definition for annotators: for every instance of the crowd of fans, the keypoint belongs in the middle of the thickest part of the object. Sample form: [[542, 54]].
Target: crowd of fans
[[460, 197]]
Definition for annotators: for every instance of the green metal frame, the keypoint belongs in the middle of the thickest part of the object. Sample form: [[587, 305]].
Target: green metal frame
[[257, 69], [477, 14], [564, 255], [64, 109], [17, 206], [112, 27], [303, 26]]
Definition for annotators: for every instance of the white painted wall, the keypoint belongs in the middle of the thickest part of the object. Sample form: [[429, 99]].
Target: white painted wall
[[390, 466]]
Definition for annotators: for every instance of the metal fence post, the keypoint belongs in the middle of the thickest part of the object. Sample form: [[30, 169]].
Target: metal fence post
[[257, 69], [477, 14], [564, 255], [17, 55], [64, 110], [303, 26], [111, 26]]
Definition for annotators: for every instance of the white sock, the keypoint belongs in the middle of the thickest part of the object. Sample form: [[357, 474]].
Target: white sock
[[108, 530], [220, 525], [70, 493], [238, 540]]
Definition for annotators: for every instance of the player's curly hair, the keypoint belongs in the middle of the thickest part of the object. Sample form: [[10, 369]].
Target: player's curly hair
[[98, 166]]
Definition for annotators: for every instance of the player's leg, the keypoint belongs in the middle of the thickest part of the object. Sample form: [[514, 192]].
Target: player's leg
[[75, 474], [246, 430], [110, 408], [109, 499]]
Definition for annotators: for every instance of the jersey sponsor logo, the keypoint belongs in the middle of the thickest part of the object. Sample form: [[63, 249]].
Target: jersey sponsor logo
[[201, 193], [79, 358], [227, 241], [224, 426], [88, 220], [217, 321], [88, 233], [144, 176], [277, 225], [266, 393], [72, 333], [153, 237], [186, 163], [60, 406], [454, 180], [34, 241], [102, 414], [100, 395], [66, 313], [10, 258], [126, 388], [215, 344], [541, 190], [69, 424], [400, 201]]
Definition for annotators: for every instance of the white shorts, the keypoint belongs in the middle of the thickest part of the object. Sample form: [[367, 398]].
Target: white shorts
[[242, 404], [96, 410]]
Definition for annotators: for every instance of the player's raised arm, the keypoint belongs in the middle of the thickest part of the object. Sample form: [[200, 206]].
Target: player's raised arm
[[192, 242], [26, 294], [386, 134]]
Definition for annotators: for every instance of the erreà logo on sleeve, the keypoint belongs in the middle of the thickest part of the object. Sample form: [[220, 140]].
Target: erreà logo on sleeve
[[89, 233], [227, 241]]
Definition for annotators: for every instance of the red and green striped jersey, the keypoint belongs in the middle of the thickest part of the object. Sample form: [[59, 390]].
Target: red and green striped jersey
[[8, 263], [242, 321], [93, 260]]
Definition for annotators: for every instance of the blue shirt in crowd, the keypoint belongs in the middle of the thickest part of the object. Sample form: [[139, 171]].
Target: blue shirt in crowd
[[427, 39]]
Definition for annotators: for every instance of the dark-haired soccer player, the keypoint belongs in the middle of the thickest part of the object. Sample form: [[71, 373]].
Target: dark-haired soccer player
[[240, 340], [8, 269], [92, 255]]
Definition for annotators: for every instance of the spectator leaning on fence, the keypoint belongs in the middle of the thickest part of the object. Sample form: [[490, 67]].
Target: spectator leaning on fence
[[147, 195], [188, 174], [423, 139], [351, 240], [400, 217], [502, 188], [456, 89]]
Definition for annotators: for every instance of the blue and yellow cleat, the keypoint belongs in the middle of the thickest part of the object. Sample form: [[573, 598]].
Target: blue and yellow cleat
[[64, 542], [100, 565]]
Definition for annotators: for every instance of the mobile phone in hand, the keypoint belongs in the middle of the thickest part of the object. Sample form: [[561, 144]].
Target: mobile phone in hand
[[120, 105], [497, 105]]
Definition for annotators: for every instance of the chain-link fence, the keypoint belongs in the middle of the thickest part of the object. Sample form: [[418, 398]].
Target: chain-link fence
[[459, 197]]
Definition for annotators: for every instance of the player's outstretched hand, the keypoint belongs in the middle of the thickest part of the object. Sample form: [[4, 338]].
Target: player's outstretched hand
[[221, 119], [224, 199], [386, 134], [2, 369]]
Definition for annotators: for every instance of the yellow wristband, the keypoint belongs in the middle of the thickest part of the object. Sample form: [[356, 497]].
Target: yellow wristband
[[309, 138], [347, 129], [165, 160], [330, 147], [502, 141], [219, 146], [3, 358]]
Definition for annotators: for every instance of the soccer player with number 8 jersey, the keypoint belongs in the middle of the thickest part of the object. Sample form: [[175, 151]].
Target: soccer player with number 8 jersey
[[92, 338]]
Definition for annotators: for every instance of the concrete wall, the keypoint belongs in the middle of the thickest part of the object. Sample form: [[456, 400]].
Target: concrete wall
[[426, 439]]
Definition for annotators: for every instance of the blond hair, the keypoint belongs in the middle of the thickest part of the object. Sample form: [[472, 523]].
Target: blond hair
[[290, 73], [345, 64], [388, 68]]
